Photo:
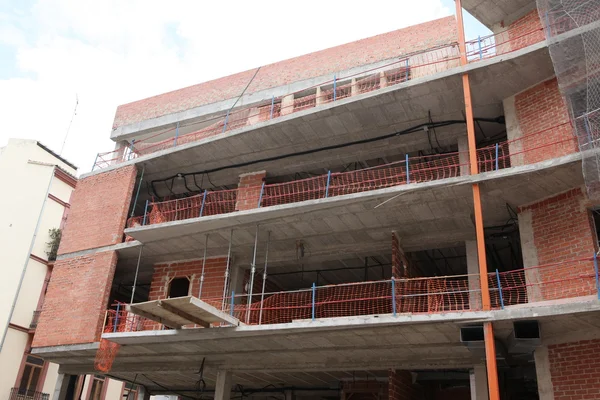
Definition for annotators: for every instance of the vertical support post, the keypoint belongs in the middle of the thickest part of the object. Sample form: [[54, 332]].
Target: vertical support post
[[406, 71], [130, 149], [548, 30], [203, 202], [264, 282], [95, 161], [596, 269], [145, 212], [328, 182], [334, 88], [203, 265], [232, 303], [499, 289], [479, 44], [314, 292], [272, 107], [490, 346], [252, 272], [394, 296], [117, 317], [176, 134], [227, 273], [497, 161], [588, 130], [262, 189], [137, 270], [137, 193], [226, 119], [407, 171]]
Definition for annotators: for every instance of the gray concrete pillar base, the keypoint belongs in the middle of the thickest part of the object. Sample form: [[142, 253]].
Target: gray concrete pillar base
[[223, 385]]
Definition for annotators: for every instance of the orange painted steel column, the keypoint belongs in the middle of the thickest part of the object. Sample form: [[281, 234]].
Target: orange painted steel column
[[490, 348]]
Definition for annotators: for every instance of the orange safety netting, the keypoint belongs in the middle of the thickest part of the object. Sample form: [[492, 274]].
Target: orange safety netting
[[105, 355]]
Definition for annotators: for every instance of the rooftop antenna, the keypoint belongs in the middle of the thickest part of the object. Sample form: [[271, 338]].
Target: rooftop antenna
[[69, 128]]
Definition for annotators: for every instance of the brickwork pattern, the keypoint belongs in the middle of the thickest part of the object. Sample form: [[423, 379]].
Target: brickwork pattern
[[542, 107], [575, 370], [99, 208], [563, 231], [76, 300], [370, 50], [520, 32], [249, 189], [401, 386]]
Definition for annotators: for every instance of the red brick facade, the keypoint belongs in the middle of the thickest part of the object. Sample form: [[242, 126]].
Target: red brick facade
[[526, 31], [562, 231], [98, 211], [249, 189], [76, 300], [542, 108], [401, 386], [575, 370]]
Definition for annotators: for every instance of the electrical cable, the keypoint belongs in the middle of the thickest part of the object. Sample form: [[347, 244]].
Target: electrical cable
[[416, 128]]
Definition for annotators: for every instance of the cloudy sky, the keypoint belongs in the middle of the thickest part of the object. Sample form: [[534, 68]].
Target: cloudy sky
[[110, 52]]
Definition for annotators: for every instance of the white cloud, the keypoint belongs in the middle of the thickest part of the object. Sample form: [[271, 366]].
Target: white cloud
[[112, 52]]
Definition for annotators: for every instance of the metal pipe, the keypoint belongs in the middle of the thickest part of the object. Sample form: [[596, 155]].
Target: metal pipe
[[264, 282], [394, 297], [497, 150], [479, 43], [203, 202], [24, 270], [227, 273], [262, 189], [490, 348], [137, 270], [203, 265], [232, 302], [252, 271], [407, 171], [334, 88], [226, 119], [499, 289], [117, 317], [328, 182], [95, 161], [145, 212], [137, 193], [176, 134], [314, 292]]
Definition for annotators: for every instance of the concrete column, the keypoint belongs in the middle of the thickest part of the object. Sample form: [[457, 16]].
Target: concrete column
[[530, 256], [61, 389], [223, 385], [143, 393], [463, 155], [542, 371], [319, 99], [473, 271], [353, 87], [479, 386], [382, 80], [287, 104], [513, 132]]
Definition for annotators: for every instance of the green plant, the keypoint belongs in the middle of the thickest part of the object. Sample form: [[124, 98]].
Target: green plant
[[55, 235]]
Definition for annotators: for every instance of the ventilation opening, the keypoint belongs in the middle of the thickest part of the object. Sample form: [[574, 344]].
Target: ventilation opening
[[471, 334], [526, 330], [179, 287]]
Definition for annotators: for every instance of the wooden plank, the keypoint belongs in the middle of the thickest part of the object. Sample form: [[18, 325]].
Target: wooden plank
[[174, 310]]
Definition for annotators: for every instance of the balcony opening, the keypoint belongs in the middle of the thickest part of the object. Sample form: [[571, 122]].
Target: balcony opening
[[179, 287]]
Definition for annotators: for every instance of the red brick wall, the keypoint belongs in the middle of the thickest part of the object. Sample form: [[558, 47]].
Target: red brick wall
[[526, 31], [249, 189], [99, 209], [401, 386], [562, 231], [542, 108], [76, 300], [575, 370]]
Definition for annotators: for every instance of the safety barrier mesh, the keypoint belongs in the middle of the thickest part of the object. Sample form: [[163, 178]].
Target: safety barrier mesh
[[524, 150], [431, 295], [575, 53], [410, 66]]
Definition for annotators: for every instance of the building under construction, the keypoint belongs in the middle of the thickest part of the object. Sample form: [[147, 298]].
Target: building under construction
[[408, 216]]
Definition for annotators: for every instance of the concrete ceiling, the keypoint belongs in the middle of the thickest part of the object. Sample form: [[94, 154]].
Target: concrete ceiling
[[498, 13]]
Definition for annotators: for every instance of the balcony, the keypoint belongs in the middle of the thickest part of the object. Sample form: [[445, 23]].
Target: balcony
[[557, 282], [404, 68], [34, 319], [23, 394]]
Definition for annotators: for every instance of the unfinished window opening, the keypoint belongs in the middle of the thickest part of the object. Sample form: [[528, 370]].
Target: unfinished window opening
[[179, 287], [596, 220]]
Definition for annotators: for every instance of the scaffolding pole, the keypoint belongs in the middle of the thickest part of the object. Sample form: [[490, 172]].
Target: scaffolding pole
[[252, 271], [203, 265], [227, 272], [137, 193], [264, 282], [137, 270], [490, 348]]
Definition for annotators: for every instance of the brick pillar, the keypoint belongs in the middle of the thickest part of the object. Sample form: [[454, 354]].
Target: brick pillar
[[79, 288], [353, 87], [401, 266], [249, 189], [287, 104], [319, 99], [401, 386], [382, 80]]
